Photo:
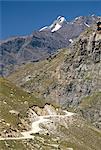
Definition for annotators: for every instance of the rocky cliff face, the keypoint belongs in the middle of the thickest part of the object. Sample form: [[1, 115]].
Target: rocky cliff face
[[80, 72]]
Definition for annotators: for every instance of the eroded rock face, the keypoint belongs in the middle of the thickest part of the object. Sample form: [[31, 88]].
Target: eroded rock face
[[46, 110], [80, 73]]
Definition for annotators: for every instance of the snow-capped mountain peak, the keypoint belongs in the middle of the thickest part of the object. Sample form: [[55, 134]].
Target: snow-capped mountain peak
[[56, 25], [61, 19], [80, 21]]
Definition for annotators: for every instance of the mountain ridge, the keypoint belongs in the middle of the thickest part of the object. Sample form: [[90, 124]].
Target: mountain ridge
[[39, 45]]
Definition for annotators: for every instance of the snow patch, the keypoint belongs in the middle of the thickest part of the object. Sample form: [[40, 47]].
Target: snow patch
[[56, 25], [43, 28], [86, 24], [56, 28], [76, 18], [93, 15], [61, 19], [70, 40]]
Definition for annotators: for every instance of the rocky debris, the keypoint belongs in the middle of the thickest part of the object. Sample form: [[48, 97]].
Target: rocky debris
[[10, 132], [50, 110], [38, 110], [14, 112], [46, 110]]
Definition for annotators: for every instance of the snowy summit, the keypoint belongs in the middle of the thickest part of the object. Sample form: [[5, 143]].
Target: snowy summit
[[56, 25]]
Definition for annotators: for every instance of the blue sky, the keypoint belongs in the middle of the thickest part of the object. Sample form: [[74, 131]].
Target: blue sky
[[23, 17]]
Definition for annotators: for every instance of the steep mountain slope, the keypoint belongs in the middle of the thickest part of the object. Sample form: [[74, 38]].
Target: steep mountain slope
[[90, 108], [69, 76], [40, 44], [14, 103]]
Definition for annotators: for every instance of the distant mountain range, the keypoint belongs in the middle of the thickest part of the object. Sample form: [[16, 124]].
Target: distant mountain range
[[41, 44]]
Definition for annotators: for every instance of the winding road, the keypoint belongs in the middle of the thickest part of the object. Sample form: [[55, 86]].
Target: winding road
[[36, 126]]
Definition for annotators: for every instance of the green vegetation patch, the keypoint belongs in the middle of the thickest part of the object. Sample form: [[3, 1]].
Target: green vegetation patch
[[14, 103]]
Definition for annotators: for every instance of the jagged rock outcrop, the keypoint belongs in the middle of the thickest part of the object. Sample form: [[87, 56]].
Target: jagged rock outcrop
[[80, 72]]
